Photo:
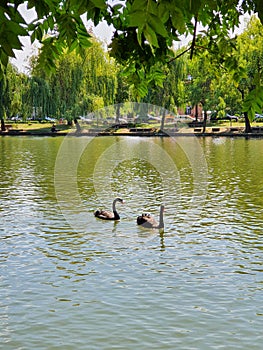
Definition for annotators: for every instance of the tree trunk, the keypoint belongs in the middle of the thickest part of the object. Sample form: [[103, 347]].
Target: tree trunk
[[247, 123], [163, 119], [117, 121], [78, 128], [196, 112], [204, 122], [3, 128]]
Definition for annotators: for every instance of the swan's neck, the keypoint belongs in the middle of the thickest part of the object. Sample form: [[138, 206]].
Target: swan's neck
[[114, 209], [114, 205]]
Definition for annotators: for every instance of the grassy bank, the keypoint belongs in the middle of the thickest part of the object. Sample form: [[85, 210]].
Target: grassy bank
[[39, 128], [45, 128]]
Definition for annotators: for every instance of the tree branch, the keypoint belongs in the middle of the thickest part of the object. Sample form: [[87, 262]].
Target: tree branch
[[194, 39], [180, 54]]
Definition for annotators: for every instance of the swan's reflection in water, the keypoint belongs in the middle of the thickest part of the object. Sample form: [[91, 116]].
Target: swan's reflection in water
[[162, 243], [115, 224]]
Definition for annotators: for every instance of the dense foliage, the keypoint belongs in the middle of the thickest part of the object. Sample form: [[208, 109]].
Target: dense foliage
[[142, 45], [144, 30], [79, 86], [74, 88]]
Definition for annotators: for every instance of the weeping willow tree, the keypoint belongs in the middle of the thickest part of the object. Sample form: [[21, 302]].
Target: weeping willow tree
[[12, 91], [65, 86], [2, 107], [17, 88], [38, 97], [99, 76], [78, 85]]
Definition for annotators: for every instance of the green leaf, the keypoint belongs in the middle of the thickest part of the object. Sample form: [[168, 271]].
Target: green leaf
[[195, 6], [139, 36], [99, 4], [39, 33], [152, 7], [15, 15], [73, 46], [150, 36], [116, 8], [15, 28], [157, 25], [51, 22], [138, 5], [178, 20], [141, 89], [254, 102], [259, 9], [163, 11], [7, 48], [136, 19], [157, 76], [13, 41], [3, 57]]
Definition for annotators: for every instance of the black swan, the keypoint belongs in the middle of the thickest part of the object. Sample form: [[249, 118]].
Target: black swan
[[108, 215], [147, 221]]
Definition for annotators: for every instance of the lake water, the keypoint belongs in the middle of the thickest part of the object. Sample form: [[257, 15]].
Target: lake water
[[71, 281]]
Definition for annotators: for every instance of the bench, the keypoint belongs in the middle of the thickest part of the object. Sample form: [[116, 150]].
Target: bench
[[141, 130], [195, 124], [257, 129]]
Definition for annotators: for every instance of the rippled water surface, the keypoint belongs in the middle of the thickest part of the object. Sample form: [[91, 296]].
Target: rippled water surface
[[71, 281]]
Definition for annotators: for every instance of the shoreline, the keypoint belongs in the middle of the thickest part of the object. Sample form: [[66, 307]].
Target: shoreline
[[164, 133]]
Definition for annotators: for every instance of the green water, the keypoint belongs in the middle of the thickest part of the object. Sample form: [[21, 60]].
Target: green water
[[70, 281]]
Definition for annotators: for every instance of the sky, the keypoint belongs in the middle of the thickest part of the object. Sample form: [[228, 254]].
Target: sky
[[102, 31]]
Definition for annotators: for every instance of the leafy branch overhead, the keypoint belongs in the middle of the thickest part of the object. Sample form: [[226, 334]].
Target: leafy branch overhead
[[144, 31], [223, 75], [155, 23]]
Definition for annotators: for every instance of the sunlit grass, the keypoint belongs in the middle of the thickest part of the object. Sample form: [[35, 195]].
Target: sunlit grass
[[43, 128]]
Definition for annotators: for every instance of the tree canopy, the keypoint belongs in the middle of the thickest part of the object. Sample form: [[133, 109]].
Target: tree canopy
[[222, 82], [144, 30]]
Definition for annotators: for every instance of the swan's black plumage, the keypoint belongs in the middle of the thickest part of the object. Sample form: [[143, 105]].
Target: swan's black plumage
[[109, 215], [148, 221]]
